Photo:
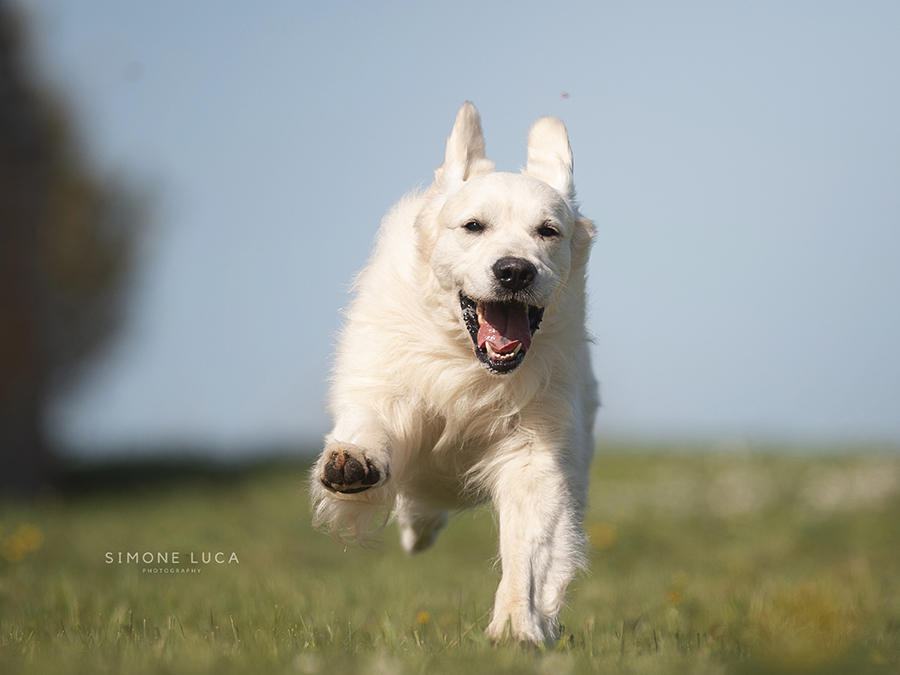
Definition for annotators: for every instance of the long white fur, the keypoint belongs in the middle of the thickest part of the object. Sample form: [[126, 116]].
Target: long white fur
[[410, 395]]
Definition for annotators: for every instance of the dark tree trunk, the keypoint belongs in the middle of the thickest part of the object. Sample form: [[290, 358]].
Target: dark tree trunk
[[25, 460], [67, 244]]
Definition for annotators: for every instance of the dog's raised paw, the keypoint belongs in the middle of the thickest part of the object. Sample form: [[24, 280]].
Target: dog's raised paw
[[348, 470]]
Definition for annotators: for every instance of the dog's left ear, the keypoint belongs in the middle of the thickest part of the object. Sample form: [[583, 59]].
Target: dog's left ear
[[550, 156], [465, 148]]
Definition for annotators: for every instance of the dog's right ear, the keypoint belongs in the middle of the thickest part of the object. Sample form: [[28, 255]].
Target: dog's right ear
[[465, 149], [550, 157]]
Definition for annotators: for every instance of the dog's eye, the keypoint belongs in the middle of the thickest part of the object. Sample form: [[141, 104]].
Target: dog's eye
[[474, 227], [547, 231]]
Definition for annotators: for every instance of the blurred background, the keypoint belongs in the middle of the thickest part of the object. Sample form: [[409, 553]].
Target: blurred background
[[187, 189]]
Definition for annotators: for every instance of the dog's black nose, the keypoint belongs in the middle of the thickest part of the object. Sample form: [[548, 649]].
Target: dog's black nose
[[514, 274]]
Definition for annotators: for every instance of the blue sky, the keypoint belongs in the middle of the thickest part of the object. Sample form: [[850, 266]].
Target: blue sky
[[741, 160]]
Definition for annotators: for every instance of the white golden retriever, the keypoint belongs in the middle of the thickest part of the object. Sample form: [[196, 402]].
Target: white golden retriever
[[463, 372]]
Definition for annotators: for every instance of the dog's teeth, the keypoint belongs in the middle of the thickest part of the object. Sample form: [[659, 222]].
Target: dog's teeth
[[503, 357]]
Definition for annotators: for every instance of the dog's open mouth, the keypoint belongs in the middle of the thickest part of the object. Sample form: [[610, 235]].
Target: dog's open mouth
[[501, 331]]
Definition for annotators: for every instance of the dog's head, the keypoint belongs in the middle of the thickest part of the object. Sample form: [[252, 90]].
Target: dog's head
[[505, 244]]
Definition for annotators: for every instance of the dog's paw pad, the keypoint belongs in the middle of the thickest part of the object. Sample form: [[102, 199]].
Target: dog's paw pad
[[349, 473]]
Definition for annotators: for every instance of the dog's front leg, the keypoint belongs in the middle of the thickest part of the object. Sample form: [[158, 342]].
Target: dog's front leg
[[357, 455], [351, 479], [541, 545]]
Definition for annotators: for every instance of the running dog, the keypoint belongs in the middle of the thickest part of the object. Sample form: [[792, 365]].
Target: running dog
[[463, 372]]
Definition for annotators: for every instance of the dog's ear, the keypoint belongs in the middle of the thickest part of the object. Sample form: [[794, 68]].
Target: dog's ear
[[465, 149], [585, 230], [550, 156]]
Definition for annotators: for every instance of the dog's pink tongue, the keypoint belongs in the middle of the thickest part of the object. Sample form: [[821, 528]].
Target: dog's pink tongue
[[504, 327]]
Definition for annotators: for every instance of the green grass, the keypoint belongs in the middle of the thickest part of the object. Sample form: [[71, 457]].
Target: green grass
[[700, 564]]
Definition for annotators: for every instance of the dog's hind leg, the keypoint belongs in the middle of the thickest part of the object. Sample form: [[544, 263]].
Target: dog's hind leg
[[418, 527]]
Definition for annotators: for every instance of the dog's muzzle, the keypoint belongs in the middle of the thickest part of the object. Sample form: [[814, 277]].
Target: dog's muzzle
[[501, 330]]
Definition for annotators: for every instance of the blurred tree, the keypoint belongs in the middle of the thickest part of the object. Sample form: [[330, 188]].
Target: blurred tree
[[67, 249]]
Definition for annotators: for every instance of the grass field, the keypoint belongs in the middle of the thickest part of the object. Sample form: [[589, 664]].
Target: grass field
[[700, 563]]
